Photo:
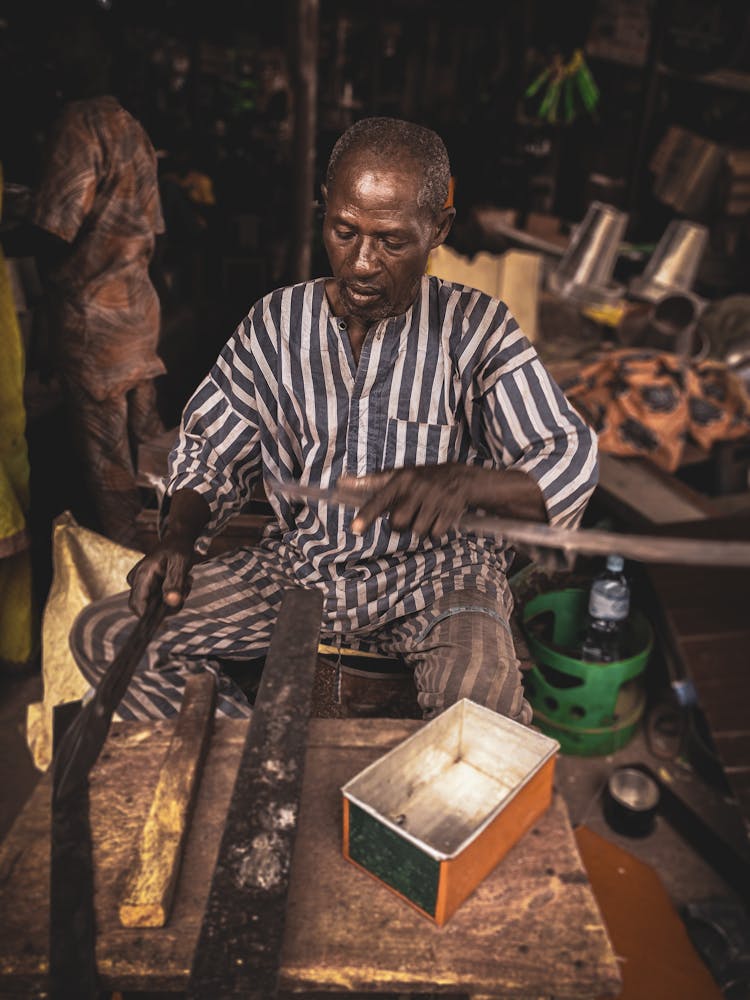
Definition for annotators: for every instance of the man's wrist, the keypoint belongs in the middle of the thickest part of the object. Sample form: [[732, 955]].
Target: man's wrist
[[185, 519], [507, 492]]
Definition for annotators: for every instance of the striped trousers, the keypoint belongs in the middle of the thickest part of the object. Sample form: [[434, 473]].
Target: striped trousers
[[461, 647]]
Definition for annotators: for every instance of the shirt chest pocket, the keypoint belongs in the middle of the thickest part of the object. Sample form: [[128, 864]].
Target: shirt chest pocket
[[410, 442]]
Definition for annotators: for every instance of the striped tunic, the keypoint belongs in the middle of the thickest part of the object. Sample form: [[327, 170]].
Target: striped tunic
[[451, 380]]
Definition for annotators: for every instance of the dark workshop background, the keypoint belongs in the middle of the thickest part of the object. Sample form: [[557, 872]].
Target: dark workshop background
[[228, 90]]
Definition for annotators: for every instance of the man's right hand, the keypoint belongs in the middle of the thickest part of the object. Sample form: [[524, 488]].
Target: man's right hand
[[168, 567]]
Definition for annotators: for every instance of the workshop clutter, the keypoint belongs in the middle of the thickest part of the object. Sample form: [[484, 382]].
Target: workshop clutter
[[586, 269], [673, 265], [565, 90], [590, 708], [649, 403], [434, 816], [587, 265], [670, 324], [514, 277]]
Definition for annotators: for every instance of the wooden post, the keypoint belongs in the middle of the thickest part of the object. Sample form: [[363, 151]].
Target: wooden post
[[304, 73]]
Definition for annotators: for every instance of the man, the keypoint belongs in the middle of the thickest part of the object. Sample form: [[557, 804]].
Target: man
[[97, 209], [423, 395]]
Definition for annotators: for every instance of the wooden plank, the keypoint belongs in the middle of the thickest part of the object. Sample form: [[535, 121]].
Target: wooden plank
[[707, 627], [152, 879], [645, 494], [122, 788], [710, 619], [718, 666], [734, 749], [719, 660], [341, 926], [700, 588]]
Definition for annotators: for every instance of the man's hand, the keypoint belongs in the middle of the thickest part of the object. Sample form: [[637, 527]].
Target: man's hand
[[430, 499], [168, 567]]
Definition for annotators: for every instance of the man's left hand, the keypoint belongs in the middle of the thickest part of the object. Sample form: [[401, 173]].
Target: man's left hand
[[429, 500]]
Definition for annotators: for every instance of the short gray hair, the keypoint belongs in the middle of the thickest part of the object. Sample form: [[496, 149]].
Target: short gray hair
[[391, 138]]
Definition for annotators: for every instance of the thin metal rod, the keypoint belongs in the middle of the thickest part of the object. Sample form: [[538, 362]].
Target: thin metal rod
[[82, 742], [535, 535]]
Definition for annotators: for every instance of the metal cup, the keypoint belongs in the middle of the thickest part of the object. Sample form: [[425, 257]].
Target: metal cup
[[674, 262], [586, 268], [631, 802], [668, 325]]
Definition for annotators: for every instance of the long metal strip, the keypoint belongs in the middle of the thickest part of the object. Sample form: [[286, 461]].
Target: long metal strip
[[536, 536], [83, 740], [239, 946], [72, 927]]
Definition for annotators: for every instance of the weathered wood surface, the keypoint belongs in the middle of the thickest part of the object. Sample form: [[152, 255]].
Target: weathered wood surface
[[643, 494], [531, 928], [153, 877]]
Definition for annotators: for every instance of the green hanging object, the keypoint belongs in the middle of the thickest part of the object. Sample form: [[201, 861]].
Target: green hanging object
[[548, 107], [570, 82], [536, 84], [569, 109]]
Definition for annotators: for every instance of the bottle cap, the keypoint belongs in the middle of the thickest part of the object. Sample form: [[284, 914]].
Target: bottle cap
[[615, 563]]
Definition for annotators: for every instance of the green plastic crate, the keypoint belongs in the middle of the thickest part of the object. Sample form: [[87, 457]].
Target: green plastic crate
[[590, 708]]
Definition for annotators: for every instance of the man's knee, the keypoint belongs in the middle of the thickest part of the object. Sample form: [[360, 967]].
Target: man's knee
[[91, 637], [471, 656]]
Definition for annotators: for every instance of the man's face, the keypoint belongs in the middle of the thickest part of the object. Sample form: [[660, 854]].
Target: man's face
[[377, 239]]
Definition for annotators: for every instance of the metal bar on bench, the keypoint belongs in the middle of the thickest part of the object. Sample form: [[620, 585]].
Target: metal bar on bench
[[72, 928], [239, 947]]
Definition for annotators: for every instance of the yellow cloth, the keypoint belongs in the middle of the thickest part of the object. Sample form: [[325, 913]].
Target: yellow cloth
[[16, 614], [87, 567], [514, 277], [199, 187]]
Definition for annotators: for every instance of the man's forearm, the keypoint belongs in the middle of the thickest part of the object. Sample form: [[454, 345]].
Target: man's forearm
[[431, 499], [186, 518], [506, 492], [167, 567]]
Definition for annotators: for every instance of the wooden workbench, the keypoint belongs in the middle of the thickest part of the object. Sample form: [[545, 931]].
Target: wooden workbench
[[532, 928]]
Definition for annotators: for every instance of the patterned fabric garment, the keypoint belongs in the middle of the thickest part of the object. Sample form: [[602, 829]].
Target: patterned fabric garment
[[649, 403], [452, 379], [99, 193], [103, 430]]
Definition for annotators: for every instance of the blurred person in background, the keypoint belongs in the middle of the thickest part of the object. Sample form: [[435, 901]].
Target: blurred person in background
[[94, 222]]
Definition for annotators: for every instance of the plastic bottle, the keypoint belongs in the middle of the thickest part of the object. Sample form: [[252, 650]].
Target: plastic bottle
[[609, 606]]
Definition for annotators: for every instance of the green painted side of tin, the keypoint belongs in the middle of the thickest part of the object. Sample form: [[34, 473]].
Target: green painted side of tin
[[399, 863]]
